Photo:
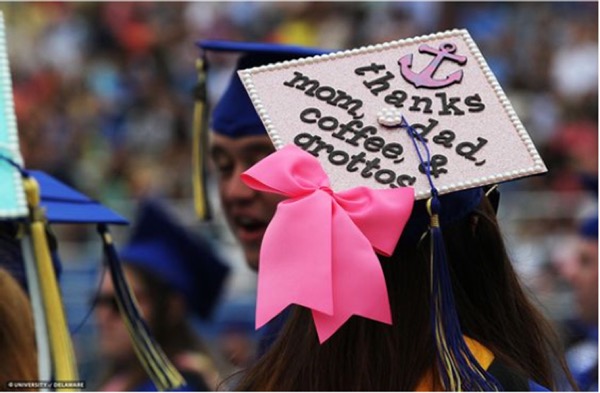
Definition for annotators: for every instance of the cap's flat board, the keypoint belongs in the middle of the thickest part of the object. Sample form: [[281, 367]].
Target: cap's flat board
[[473, 133], [12, 195]]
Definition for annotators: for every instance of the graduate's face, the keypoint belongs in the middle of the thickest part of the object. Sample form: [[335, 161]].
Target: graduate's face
[[248, 211], [114, 340]]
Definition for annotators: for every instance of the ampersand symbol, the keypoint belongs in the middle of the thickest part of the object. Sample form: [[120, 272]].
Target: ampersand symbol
[[435, 166]]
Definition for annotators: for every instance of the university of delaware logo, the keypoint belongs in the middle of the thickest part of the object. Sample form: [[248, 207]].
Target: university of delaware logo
[[425, 77]]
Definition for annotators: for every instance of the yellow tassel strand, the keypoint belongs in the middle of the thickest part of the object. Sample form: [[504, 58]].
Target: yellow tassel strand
[[199, 147], [61, 347]]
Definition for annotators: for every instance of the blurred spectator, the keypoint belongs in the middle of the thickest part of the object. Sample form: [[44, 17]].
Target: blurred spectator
[[109, 84], [172, 274], [235, 321], [582, 273], [575, 65]]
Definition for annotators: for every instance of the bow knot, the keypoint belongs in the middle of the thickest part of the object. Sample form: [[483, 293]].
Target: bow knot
[[319, 249], [327, 190]]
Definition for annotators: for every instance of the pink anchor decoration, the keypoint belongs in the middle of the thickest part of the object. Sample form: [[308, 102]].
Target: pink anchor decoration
[[425, 77]]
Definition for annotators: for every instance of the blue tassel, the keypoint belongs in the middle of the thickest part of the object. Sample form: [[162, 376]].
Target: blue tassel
[[458, 368], [158, 367]]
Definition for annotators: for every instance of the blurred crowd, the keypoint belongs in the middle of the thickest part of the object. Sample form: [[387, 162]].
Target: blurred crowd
[[103, 98], [103, 91]]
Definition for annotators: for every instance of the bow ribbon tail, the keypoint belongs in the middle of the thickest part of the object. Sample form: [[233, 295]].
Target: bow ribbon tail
[[358, 282], [294, 258]]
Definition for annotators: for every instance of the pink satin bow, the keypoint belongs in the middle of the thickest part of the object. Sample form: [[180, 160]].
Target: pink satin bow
[[319, 249]]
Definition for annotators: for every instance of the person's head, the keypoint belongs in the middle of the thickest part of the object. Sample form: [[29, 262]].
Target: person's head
[[17, 333], [163, 308], [248, 211], [582, 271], [373, 322], [172, 272], [239, 140], [367, 355]]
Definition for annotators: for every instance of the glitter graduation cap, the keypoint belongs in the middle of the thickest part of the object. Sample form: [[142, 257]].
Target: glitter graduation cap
[[425, 115], [234, 115]]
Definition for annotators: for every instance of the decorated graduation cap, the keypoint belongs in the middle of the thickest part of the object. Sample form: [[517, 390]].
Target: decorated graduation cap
[[390, 140], [234, 115], [186, 262]]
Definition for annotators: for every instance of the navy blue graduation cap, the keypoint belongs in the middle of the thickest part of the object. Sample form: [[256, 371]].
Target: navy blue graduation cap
[[61, 205], [28, 251], [50, 201], [66, 205], [234, 115], [185, 261]]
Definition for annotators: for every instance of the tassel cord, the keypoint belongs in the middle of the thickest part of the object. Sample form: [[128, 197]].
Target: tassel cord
[[61, 348], [42, 337], [458, 368], [37, 306], [92, 306], [200, 144], [155, 362]]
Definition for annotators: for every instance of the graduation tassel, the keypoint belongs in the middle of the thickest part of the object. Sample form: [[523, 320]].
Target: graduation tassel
[[457, 367], [42, 338], [158, 367], [61, 348], [39, 316], [200, 145]]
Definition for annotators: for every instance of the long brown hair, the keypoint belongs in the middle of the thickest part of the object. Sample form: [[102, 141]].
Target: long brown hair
[[17, 333], [366, 355]]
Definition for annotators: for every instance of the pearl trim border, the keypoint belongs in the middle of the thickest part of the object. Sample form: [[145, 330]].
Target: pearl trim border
[[12, 145]]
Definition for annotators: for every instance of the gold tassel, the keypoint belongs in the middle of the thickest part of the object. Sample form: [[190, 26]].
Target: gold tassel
[[157, 365], [61, 347], [200, 145]]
